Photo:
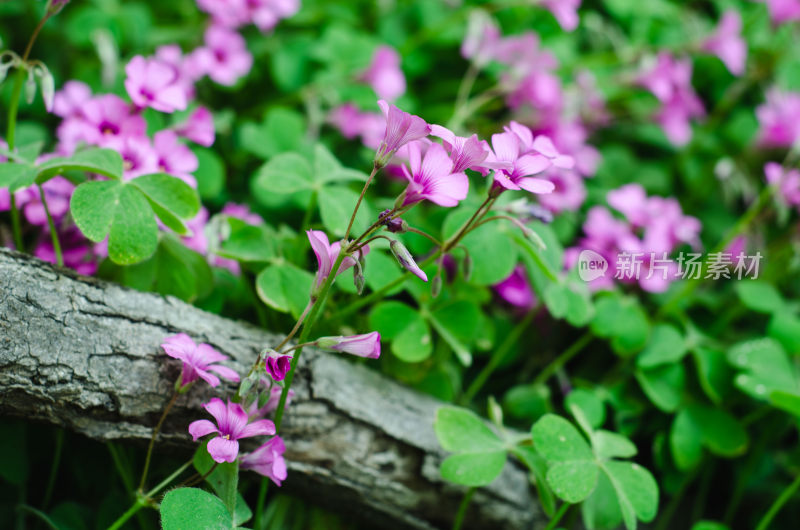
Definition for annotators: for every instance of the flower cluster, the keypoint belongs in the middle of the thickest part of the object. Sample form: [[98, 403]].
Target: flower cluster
[[650, 225], [779, 119], [670, 81]]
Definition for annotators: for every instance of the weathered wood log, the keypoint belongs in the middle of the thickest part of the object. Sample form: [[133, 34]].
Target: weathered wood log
[[84, 354]]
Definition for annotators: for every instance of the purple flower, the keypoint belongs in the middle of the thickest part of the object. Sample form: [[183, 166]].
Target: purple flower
[[670, 81], [242, 212], [507, 149], [401, 128], [70, 99], [232, 425], [174, 157], [384, 74], [565, 11], [198, 360], [225, 56], [267, 460], [787, 181], [433, 178], [368, 345], [102, 120], [154, 83], [138, 156], [277, 365], [466, 153], [781, 11], [403, 256], [727, 42], [569, 191], [75, 250], [779, 119], [199, 127], [327, 255], [516, 289]]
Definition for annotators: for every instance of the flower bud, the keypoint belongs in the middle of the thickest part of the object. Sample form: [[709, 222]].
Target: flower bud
[[403, 256], [277, 365], [30, 87], [436, 285], [368, 345], [397, 226], [467, 267], [7, 60], [495, 412], [47, 86], [358, 277]]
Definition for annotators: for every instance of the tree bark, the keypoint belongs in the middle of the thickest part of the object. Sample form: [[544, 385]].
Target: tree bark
[[84, 354]]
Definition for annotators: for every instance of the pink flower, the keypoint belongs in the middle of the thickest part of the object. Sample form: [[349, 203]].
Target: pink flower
[[267, 13], [781, 11], [138, 156], [670, 81], [507, 149], [174, 157], [198, 360], [433, 178], [516, 289], [242, 211], [277, 365], [568, 194], [197, 241], [225, 56], [154, 83], [401, 128], [384, 74], [199, 127], [75, 251], [466, 153], [787, 181], [368, 345], [267, 460], [231, 427], [727, 42], [565, 11], [327, 254], [104, 119], [779, 119], [70, 99]]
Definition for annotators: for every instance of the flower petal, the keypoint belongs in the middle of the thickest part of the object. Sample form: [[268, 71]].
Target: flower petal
[[228, 373], [217, 408], [200, 428], [258, 428], [535, 185], [223, 450]]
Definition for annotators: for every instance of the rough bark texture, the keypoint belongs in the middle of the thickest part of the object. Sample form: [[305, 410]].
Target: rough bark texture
[[84, 354]]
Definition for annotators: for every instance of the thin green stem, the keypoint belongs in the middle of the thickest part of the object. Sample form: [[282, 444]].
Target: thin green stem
[[167, 481], [462, 508], [465, 87], [497, 358], [426, 235], [298, 346], [778, 504], [296, 326], [51, 479], [153, 437], [310, 209], [52, 225], [124, 474], [564, 358], [358, 203], [562, 511], [138, 505], [262, 498]]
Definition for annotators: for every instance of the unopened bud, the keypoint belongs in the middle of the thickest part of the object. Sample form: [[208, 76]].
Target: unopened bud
[[247, 384], [403, 256], [467, 267], [30, 87], [358, 277], [436, 285], [495, 412], [397, 226], [47, 86], [534, 238]]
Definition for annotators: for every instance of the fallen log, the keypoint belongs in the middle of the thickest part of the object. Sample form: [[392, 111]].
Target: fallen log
[[84, 354]]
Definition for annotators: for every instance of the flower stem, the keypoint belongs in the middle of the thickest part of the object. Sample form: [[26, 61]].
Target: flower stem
[[262, 497], [564, 358], [562, 511], [296, 326], [51, 480], [298, 346], [778, 504], [358, 204], [462, 508], [157, 428], [53, 232], [498, 357]]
